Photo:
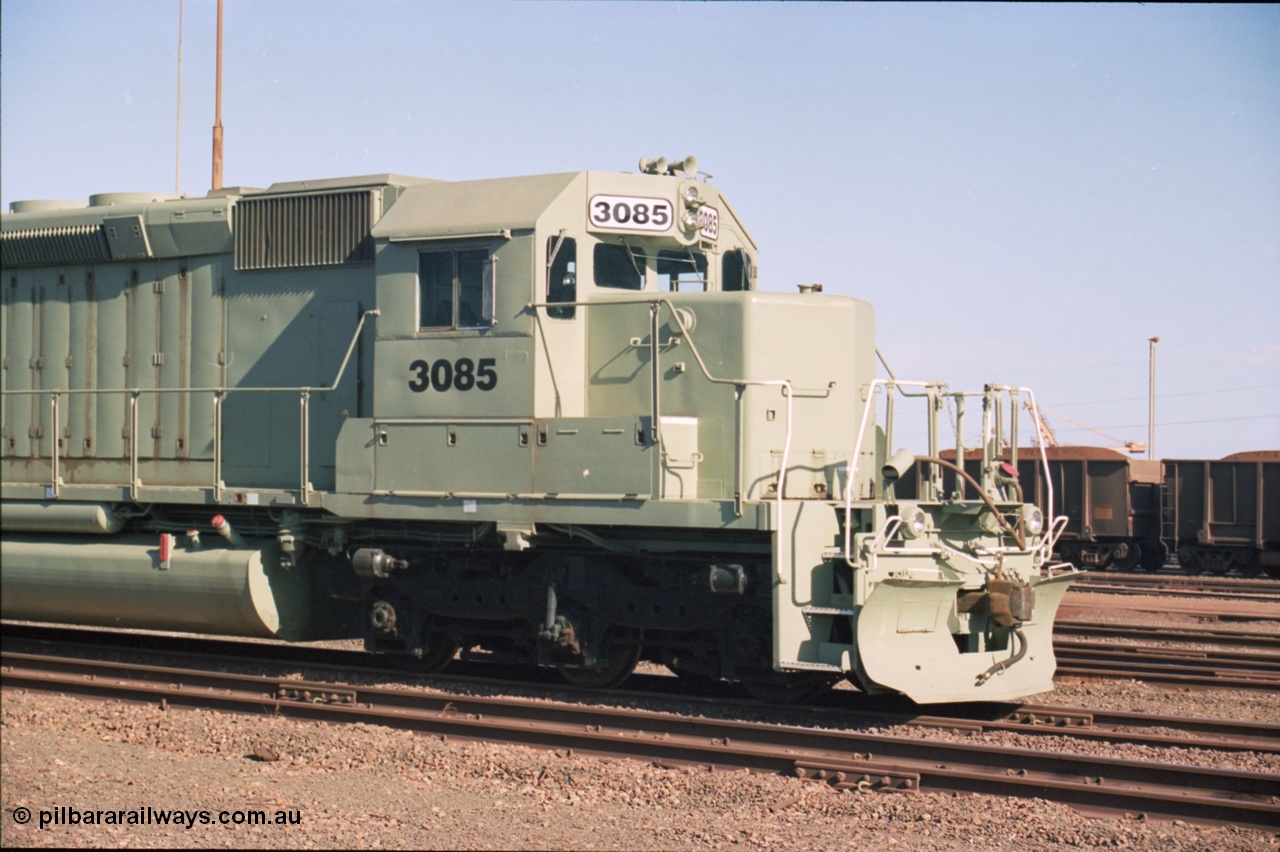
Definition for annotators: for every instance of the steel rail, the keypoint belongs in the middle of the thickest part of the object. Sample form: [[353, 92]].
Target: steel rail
[[1246, 663], [879, 761], [1197, 635], [1112, 725], [839, 708], [1087, 670], [1203, 609], [1090, 579], [1092, 795], [1214, 593]]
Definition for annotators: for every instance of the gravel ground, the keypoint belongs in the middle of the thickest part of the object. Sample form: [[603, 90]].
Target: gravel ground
[[367, 787], [364, 786]]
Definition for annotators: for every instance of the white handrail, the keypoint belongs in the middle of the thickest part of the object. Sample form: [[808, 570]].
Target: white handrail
[[1056, 524]]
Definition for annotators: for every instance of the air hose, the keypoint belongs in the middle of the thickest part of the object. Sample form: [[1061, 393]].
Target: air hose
[[1004, 664]]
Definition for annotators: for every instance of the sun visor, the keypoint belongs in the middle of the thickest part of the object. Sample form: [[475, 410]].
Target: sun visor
[[470, 208]]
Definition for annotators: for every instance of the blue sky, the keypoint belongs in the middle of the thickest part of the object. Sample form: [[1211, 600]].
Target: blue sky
[[1025, 192]]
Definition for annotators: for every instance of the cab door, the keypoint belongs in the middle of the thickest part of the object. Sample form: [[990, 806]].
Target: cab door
[[453, 402]]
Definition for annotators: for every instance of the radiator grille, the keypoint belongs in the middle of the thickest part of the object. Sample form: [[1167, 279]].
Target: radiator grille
[[66, 244], [291, 232]]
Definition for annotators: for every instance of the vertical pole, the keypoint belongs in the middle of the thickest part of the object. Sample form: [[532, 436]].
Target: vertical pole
[[891, 391], [655, 379], [305, 488], [1151, 402], [935, 470], [739, 391], [217, 444], [1015, 411], [961, 485], [135, 476], [217, 112], [57, 440], [177, 170]]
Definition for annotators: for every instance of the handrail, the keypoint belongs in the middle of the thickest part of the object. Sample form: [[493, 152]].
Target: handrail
[[1054, 528], [788, 389], [218, 393], [868, 407], [218, 388]]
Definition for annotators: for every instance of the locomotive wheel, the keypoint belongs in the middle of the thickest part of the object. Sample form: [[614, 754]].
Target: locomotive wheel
[[622, 662], [439, 653], [789, 687], [1251, 567]]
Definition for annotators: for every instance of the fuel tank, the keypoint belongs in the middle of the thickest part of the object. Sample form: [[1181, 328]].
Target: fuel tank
[[124, 582]]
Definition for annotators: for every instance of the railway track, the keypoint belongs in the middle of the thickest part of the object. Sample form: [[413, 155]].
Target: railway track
[[1077, 658], [1201, 605], [841, 708], [1174, 569], [1194, 668], [1196, 635], [1173, 585], [843, 758]]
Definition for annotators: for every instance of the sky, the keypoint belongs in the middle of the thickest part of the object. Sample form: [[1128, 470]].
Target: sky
[[1026, 193]]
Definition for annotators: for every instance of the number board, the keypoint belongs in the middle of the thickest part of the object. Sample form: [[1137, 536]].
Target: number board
[[443, 375], [627, 213], [709, 222]]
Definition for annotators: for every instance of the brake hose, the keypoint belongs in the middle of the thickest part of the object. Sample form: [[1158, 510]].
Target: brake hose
[[1004, 664]]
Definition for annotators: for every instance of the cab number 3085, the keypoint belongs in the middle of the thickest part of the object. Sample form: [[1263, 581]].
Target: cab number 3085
[[463, 374]]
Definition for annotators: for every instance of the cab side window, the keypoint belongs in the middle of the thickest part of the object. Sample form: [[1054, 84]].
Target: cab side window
[[562, 276], [455, 289], [619, 266], [736, 273], [682, 271]]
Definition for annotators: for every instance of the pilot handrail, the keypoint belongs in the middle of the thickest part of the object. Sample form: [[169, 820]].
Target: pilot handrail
[[876, 385]]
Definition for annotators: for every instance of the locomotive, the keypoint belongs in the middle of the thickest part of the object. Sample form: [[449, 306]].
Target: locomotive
[[549, 418]]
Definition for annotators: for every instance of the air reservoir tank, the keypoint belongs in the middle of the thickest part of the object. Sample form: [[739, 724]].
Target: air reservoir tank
[[81, 518]]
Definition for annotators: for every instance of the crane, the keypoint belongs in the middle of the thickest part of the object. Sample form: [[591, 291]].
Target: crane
[[1046, 433], [1051, 440]]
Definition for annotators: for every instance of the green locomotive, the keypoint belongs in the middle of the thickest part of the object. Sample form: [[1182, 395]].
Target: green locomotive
[[550, 417]]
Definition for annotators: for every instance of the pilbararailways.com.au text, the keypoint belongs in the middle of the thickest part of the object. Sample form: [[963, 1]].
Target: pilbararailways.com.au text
[[149, 816]]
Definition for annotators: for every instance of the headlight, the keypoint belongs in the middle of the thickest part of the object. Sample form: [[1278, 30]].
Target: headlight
[[914, 522], [1032, 520]]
